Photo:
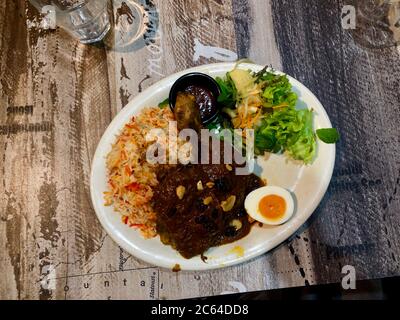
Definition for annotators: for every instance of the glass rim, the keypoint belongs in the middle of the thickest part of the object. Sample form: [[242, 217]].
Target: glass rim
[[79, 5]]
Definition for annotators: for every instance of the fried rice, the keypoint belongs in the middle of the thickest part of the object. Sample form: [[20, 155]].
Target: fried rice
[[131, 178]]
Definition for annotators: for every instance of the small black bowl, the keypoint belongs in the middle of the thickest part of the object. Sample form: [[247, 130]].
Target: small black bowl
[[199, 80]]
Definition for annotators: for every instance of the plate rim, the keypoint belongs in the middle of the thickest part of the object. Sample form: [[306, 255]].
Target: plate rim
[[279, 238]]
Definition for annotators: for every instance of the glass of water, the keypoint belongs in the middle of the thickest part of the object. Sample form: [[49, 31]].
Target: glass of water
[[86, 20]]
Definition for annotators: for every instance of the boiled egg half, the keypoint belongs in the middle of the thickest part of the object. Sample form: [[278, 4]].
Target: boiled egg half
[[270, 205]]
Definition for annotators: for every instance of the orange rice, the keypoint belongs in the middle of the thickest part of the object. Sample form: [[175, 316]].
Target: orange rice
[[131, 178]]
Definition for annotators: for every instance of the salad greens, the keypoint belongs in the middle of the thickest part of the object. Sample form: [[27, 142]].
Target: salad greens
[[278, 91], [328, 135], [288, 130], [163, 103], [228, 92], [264, 101]]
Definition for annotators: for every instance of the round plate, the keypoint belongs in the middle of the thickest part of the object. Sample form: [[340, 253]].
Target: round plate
[[308, 184]]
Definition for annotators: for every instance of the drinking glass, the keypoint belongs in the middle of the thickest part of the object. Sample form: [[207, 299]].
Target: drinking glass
[[86, 20]]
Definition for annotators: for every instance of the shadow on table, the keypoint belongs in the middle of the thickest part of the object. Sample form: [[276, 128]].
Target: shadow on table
[[378, 289]]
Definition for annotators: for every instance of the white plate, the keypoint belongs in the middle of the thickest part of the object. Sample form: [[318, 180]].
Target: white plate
[[307, 183]]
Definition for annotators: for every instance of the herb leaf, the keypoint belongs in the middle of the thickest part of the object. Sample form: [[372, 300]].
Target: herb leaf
[[228, 91], [163, 103], [328, 135]]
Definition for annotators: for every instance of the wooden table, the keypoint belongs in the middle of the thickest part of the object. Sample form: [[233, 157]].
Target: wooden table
[[51, 243]]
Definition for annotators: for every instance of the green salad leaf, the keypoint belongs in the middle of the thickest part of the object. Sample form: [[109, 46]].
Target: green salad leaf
[[328, 135], [163, 103], [289, 130], [278, 90], [265, 141], [228, 93]]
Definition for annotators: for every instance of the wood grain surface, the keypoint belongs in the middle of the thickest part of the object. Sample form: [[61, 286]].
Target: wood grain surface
[[57, 96]]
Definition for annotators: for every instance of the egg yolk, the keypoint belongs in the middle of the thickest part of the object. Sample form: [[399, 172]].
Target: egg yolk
[[272, 206]]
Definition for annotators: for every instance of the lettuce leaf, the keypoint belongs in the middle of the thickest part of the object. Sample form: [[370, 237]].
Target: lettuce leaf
[[288, 130], [278, 90]]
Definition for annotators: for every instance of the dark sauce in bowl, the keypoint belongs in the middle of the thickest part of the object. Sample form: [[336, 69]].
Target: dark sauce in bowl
[[205, 91], [205, 100]]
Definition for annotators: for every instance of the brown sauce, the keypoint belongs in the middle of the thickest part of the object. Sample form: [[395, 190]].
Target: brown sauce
[[204, 99], [176, 268], [190, 226]]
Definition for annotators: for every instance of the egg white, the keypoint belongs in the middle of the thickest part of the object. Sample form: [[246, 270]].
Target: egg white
[[253, 199]]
